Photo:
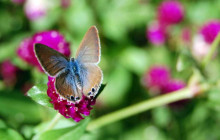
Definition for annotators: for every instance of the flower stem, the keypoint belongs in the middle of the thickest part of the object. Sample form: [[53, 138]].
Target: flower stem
[[53, 122], [185, 93], [214, 46]]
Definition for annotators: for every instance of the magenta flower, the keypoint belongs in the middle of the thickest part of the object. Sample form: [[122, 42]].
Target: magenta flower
[[9, 72], [172, 85], [170, 12], [186, 35], [66, 108], [52, 39], [210, 30], [65, 3], [156, 34], [156, 78], [36, 9]]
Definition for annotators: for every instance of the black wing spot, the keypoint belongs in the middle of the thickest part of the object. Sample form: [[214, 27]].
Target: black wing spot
[[72, 98], [93, 90]]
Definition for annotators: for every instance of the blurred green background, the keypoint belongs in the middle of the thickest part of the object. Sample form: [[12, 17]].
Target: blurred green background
[[126, 56]]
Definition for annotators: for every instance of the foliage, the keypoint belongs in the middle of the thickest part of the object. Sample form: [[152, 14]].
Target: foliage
[[128, 54]]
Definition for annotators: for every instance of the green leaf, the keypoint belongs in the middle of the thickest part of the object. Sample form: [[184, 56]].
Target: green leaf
[[68, 133], [9, 134], [39, 94], [18, 108], [2, 124]]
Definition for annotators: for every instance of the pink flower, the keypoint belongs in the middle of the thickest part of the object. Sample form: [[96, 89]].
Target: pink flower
[[65, 3], [173, 85], [210, 30], [170, 12], [200, 47], [9, 72], [66, 108], [156, 78], [36, 9], [52, 39], [186, 35], [156, 34]]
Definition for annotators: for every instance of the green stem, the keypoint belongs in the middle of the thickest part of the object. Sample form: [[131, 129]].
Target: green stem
[[214, 46], [53, 122], [185, 93]]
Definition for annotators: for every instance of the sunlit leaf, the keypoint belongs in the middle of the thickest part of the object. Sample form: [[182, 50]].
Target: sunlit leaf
[[39, 94], [68, 133]]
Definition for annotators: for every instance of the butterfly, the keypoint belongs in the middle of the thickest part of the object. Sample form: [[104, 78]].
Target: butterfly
[[74, 77]]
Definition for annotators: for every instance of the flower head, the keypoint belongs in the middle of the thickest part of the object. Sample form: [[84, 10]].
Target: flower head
[[157, 77], [210, 30], [186, 35], [52, 39], [65, 3], [170, 12], [66, 108], [9, 72], [200, 47], [172, 85], [156, 34], [35, 9]]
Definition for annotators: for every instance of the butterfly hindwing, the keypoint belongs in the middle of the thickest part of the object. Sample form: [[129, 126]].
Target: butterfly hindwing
[[89, 49], [91, 76], [66, 85], [51, 60]]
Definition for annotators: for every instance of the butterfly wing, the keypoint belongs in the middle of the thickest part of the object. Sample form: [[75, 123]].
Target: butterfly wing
[[52, 61], [88, 56], [66, 85], [91, 77], [89, 49]]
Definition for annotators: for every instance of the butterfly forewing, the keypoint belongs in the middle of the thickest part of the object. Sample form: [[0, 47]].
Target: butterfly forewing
[[89, 49], [52, 61]]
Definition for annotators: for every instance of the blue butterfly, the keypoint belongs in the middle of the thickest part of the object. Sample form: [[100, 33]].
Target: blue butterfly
[[74, 76]]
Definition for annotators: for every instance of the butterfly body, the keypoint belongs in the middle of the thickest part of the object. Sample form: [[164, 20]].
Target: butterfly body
[[74, 77]]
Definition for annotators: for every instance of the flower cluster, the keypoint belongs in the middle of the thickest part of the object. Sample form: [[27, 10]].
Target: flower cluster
[[210, 30], [169, 13], [52, 39], [37, 9], [9, 72], [201, 42], [56, 41], [66, 108], [158, 79]]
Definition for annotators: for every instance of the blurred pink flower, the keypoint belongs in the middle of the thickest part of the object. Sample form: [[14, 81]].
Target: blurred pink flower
[[186, 35], [65, 3], [156, 78], [9, 72], [35, 9], [156, 34], [52, 39], [159, 79], [170, 12], [172, 85], [66, 108], [18, 1], [200, 47], [210, 30]]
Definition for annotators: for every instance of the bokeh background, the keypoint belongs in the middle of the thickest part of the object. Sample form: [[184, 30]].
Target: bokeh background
[[148, 48]]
